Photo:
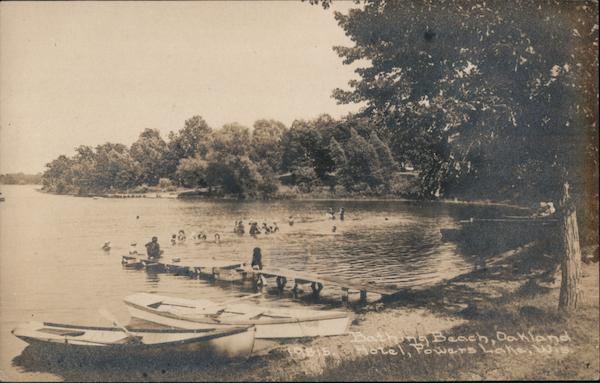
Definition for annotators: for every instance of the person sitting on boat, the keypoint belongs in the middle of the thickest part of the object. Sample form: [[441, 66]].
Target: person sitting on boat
[[153, 248], [106, 246], [257, 259], [174, 239]]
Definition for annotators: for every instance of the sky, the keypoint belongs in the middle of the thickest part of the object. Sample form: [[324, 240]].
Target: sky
[[87, 73]]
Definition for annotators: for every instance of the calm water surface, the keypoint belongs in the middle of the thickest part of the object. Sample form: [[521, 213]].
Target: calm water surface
[[52, 266]]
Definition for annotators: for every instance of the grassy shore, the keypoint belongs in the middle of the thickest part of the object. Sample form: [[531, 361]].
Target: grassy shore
[[504, 304]]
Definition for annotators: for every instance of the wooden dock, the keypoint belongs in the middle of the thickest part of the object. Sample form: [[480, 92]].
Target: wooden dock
[[213, 268], [317, 282]]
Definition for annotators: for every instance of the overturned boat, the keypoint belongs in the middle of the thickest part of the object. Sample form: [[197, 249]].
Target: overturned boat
[[90, 342], [271, 323]]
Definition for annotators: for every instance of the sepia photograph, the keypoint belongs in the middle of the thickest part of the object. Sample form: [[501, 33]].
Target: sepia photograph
[[299, 190]]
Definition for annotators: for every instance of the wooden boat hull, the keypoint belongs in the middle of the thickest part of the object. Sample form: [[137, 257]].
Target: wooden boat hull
[[98, 343], [320, 324]]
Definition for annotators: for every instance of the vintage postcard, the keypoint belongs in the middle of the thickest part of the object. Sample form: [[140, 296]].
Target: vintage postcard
[[299, 190]]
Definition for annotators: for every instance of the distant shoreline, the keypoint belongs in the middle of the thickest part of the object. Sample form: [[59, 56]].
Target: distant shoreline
[[292, 197]]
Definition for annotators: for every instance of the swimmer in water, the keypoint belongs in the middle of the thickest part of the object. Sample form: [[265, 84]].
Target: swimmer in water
[[133, 248], [333, 229]]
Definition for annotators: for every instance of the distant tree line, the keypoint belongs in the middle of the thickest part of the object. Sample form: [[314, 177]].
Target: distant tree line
[[235, 160], [20, 179]]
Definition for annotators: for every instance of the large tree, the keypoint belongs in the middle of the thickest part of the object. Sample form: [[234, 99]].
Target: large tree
[[149, 151], [498, 94], [190, 141], [266, 143]]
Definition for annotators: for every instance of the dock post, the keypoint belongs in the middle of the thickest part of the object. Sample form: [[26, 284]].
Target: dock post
[[281, 282], [363, 296], [344, 295], [316, 288], [295, 289]]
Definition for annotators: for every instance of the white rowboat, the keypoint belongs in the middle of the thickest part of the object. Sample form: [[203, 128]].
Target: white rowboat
[[112, 342], [271, 323]]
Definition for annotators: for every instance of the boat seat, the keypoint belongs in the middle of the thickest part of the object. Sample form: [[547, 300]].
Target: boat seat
[[62, 332]]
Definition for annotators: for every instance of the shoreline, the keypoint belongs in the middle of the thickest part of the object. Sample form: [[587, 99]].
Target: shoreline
[[295, 197]]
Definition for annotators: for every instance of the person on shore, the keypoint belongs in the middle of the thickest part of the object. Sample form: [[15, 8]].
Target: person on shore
[[546, 209], [334, 229], [217, 238], [257, 259], [275, 227], [106, 246], [181, 236], [341, 214], [153, 248], [174, 239], [291, 220]]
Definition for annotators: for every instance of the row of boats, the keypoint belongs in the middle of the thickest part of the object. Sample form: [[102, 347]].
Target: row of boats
[[176, 328]]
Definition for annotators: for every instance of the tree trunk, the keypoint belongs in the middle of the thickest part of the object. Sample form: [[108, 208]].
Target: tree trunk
[[571, 261]]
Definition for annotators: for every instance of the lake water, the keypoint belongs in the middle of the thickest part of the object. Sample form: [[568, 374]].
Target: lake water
[[52, 267]]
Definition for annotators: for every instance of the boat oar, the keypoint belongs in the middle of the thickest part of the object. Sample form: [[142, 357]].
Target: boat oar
[[228, 302], [115, 322]]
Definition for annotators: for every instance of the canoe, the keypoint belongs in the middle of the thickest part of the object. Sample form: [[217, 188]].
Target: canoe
[[271, 323], [89, 342]]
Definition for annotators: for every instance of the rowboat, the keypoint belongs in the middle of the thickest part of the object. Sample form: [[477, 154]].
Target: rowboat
[[89, 342], [271, 323]]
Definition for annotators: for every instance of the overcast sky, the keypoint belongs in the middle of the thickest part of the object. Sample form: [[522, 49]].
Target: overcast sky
[[88, 73]]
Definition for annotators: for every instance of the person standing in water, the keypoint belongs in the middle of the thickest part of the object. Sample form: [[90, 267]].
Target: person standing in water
[[153, 248], [257, 259], [341, 214]]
